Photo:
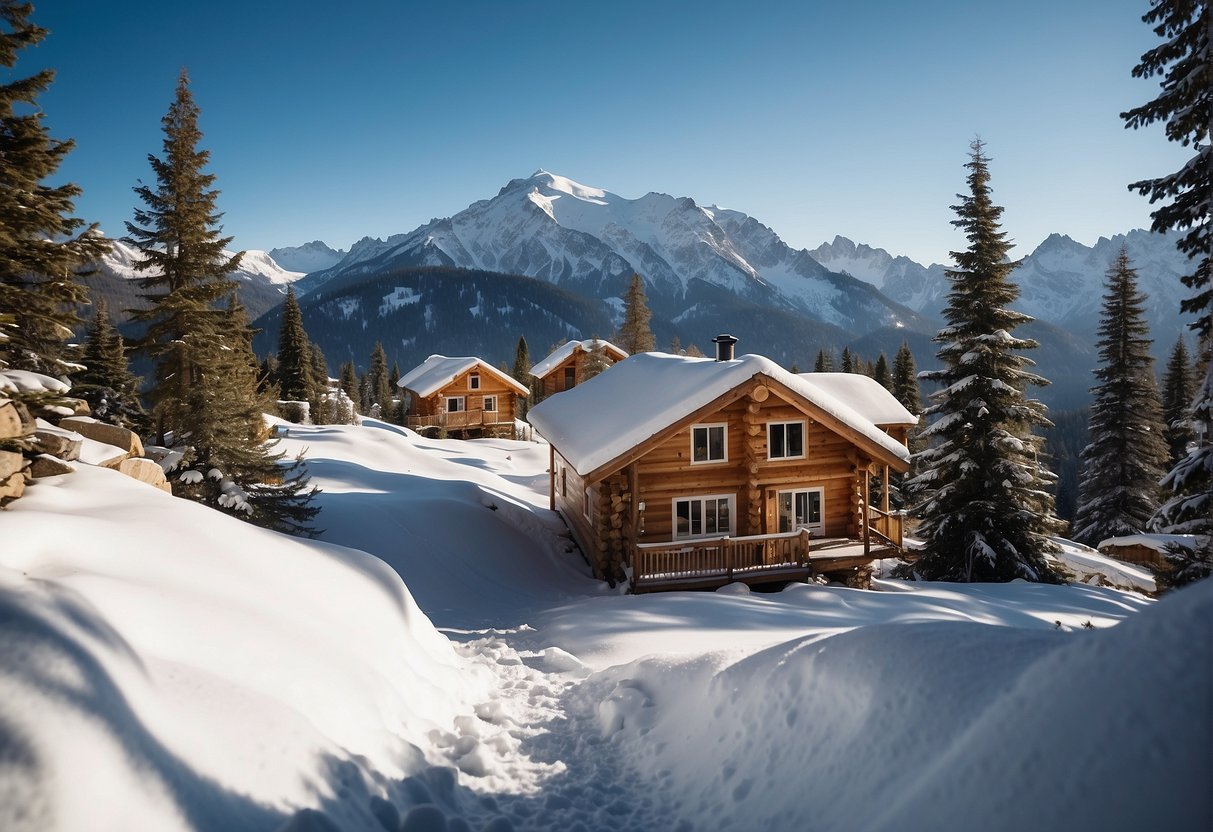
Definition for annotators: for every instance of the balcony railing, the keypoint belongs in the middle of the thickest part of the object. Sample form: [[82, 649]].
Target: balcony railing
[[458, 420], [728, 558]]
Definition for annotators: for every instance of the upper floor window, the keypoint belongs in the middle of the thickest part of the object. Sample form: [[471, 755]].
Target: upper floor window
[[785, 440], [570, 377], [709, 443], [474, 381]]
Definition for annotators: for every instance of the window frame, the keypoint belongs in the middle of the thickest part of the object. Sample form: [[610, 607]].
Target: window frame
[[474, 381], [570, 378], [784, 423], [724, 444], [446, 404], [484, 404], [731, 501], [587, 504], [814, 528]]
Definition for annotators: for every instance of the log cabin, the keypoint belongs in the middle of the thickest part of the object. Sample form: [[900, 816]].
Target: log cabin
[[562, 369], [675, 472], [465, 396]]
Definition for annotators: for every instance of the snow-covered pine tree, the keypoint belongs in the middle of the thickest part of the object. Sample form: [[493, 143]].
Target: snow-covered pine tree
[[635, 335], [106, 381], [1178, 390], [1184, 105], [1118, 492], [986, 512], [42, 246], [205, 385]]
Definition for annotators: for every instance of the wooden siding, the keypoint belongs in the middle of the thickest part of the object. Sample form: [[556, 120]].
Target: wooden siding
[[553, 382], [490, 385]]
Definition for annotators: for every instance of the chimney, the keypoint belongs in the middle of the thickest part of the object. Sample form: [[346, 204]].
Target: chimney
[[724, 347]]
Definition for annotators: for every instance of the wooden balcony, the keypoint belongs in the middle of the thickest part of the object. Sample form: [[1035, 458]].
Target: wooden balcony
[[762, 558], [459, 420]]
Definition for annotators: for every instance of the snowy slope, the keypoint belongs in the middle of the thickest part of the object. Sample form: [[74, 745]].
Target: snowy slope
[[165, 667], [591, 241], [255, 265]]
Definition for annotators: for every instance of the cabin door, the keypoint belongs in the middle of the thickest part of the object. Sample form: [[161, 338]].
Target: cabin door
[[802, 507]]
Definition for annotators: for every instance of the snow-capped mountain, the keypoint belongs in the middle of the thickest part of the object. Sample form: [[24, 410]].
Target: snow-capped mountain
[[309, 257], [1061, 281], [591, 241], [261, 282]]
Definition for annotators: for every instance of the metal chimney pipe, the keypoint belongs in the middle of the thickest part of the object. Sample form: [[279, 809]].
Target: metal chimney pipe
[[724, 347]]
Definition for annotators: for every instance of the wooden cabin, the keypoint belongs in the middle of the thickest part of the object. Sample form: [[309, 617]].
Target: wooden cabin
[[466, 396], [562, 369], [1146, 549], [677, 472]]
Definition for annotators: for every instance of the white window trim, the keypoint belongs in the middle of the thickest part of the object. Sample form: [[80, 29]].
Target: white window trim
[[485, 404], [446, 404], [474, 381], [732, 500], [587, 504], [821, 496], [724, 444], [803, 438]]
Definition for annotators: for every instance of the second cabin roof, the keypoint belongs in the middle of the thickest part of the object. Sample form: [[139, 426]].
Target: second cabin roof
[[561, 354], [602, 420], [437, 371]]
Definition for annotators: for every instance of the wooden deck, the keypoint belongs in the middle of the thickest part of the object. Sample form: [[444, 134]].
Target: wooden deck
[[459, 420], [755, 559]]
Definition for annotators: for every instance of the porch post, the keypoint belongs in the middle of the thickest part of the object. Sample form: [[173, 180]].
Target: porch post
[[552, 477], [867, 515], [885, 491]]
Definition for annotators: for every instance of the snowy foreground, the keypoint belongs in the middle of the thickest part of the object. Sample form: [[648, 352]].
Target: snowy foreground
[[442, 660]]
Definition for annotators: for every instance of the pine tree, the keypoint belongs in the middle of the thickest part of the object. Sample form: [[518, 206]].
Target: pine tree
[[521, 373], [986, 515], [1185, 106], [295, 383], [1124, 461], [692, 351], [348, 380], [106, 382], [635, 336], [42, 246], [365, 397], [318, 377], [205, 387], [824, 362], [880, 372], [593, 361], [905, 380], [847, 364], [1178, 390], [393, 376], [377, 377]]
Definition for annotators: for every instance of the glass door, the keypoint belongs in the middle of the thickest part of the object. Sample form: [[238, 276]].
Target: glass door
[[802, 507]]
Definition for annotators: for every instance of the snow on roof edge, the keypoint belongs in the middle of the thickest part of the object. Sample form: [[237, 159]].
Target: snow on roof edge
[[437, 371], [557, 356]]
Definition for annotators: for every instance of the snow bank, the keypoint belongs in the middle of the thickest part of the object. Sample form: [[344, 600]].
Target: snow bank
[[944, 725], [165, 666]]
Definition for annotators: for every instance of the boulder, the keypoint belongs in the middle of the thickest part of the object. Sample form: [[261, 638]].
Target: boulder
[[15, 421], [109, 434], [11, 463], [144, 470], [46, 465], [12, 487], [61, 443]]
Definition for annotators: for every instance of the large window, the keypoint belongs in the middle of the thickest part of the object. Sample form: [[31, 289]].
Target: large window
[[455, 404], [709, 443], [801, 508], [703, 516], [785, 440], [490, 404]]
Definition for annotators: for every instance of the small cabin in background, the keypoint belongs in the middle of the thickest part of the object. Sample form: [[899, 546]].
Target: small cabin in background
[[562, 370], [467, 396], [677, 472], [1146, 549]]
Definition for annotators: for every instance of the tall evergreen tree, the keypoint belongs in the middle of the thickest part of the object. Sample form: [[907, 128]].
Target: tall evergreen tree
[[521, 373], [1178, 390], [905, 380], [42, 246], [106, 381], [377, 377], [349, 380], [880, 372], [986, 512], [318, 376], [1124, 461], [847, 365], [635, 335], [824, 362], [295, 382], [205, 388], [1184, 105]]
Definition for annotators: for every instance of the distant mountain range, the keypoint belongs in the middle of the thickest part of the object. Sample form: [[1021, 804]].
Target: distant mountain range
[[309, 257]]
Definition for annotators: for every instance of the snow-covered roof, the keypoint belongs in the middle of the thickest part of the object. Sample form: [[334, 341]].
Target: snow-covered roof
[[437, 371], [1157, 542], [865, 395], [561, 354], [599, 421]]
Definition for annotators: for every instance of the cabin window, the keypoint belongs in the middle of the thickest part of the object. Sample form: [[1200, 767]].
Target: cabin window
[[455, 404], [801, 508], [474, 381], [710, 516], [490, 404], [570, 377], [709, 443], [585, 504], [785, 440], [564, 481]]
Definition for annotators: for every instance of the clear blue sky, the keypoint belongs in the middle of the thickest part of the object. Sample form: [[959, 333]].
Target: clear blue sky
[[334, 121]]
